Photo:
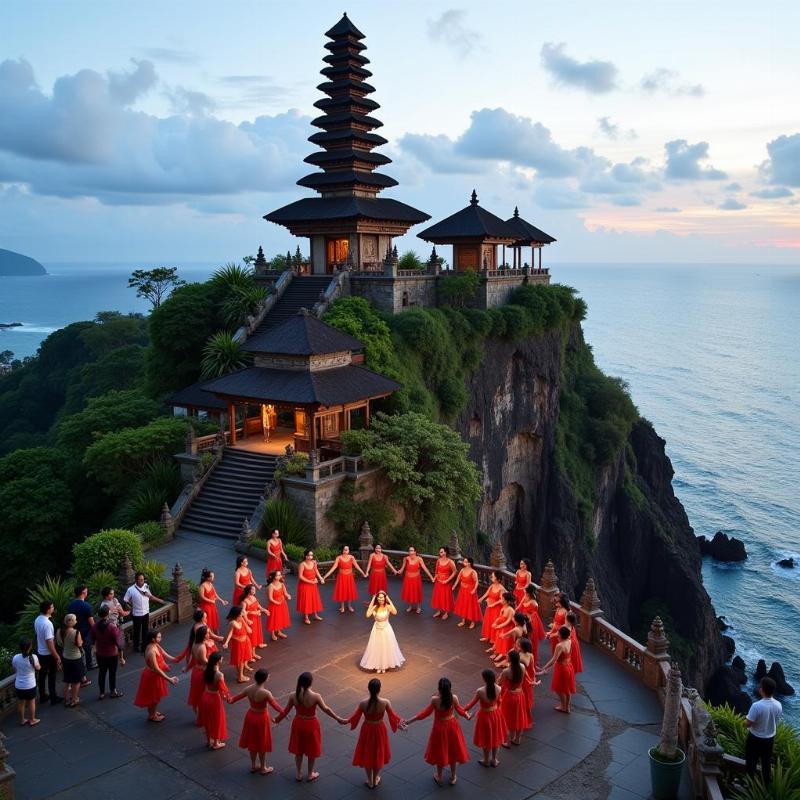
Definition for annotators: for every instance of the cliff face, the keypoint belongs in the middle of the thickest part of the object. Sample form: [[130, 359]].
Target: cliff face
[[638, 546]]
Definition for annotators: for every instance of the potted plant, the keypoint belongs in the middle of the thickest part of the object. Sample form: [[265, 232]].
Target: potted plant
[[666, 758]]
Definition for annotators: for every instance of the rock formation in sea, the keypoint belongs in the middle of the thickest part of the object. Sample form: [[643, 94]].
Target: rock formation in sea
[[722, 547], [638, 544], [12, 263]]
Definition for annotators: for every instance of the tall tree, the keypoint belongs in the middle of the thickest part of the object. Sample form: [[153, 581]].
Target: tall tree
[[155, 284]]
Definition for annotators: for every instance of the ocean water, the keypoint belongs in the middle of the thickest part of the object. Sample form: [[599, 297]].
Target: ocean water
[[711, 356]]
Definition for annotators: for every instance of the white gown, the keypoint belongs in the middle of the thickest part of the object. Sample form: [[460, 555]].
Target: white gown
[[382, 651]]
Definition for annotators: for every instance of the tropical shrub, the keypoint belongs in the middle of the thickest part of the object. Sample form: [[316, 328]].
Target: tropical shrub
[[240, 302], [458, 290], [296, 465], [59, 591], [293, 551], [221, 355], [350, 510], [151, 533], [106, 550], [410, 260], [98, 581], [154, 575], [282, 514], [232, 276], [6, 654]]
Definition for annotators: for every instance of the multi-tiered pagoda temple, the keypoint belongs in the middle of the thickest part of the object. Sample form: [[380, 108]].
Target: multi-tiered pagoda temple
[[348, 224]]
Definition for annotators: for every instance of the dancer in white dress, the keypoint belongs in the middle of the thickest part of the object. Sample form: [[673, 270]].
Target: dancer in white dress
[[382, 651]]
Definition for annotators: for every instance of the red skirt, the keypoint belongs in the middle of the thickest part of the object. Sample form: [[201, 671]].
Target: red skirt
[[256, 630], [305, 737], [308, 598], [446, 744], [274, 563], [212, 613], [241, 651], [212, 715], [502, 644], [467, 605], [345, 589], [372, 748], [442, 597], [575, 653], [411, 592], [519, 595], [489, 618], [563, 681], [490, 729], [377, 581], [256, 731], [196, 687], [512, 703], [537, 629], [152, 689], [278, 618]]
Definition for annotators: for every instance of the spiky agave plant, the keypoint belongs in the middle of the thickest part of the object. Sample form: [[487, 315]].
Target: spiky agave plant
[[241, 301], [221, 355], [232, 275]]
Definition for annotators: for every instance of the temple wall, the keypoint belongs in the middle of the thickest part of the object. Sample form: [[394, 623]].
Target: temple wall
[[496, 291], [389, 294]]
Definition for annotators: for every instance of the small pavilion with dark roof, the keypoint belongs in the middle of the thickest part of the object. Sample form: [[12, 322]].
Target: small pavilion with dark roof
[[528, 236], [304, 366], [474, 234]]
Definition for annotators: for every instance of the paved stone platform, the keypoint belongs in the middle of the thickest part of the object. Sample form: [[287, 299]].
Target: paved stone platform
[[109, 749]]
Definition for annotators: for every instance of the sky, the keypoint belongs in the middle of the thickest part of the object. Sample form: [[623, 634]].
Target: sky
[[632, 132]]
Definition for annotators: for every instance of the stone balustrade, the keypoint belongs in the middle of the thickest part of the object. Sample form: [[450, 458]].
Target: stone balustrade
[[339, 286]]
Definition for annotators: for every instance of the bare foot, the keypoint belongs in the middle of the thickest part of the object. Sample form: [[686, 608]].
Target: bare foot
[[460, 624], [317, 617], [282, 635], [445, 616], [274, 638], [267, 770], [437, 615], [313, 776], [471, 625]]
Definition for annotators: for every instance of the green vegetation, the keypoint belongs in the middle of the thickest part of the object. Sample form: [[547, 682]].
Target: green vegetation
[[106, 550], [295, 465], [458, 290], [282, 514], [155, 284], [410, 260], [150, 533], [349, 511], [222, 354], [60, 591]]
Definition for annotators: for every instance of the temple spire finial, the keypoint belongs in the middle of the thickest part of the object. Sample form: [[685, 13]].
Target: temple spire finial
[[516, 211], [473, 201]]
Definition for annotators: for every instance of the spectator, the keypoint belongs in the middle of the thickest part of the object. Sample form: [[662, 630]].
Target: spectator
[[49, 658], [138, 597], [762, 725], [109, 648], [83, 613], [115, 610], [25, 665], [71, 642]]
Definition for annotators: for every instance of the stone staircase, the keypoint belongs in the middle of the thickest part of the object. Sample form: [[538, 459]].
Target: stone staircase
[[230, 494], [302, 292]]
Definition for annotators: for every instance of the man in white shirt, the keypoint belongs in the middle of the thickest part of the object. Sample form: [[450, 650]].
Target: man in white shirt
[[49, 659], [762, 723], [138, 597]]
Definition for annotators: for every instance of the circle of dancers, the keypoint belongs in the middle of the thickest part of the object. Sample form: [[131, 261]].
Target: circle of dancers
[[509, 624]]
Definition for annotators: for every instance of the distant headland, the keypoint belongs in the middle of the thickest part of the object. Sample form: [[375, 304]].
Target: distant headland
[[12, 263]]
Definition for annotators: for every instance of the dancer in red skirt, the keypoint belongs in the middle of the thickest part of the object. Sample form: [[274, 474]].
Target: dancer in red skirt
[[490, 725], [410, 569], [504, 623], [345, 589], [520, 630], [199, 620], [256, 735], [154, 678], [278, 599], [239, 640], [275, 553], [442, 597], [559, 620], [512, 699], [563, 682], [529, 665], [530, 608], [575, 650], [254, 611], [202, 648], [212, 711], [467, 606], [376, 571], [305, 737], [241, 578], [522, 577], [493, 597], [372, 749], [208, 599], [308, 598], [446, 745]]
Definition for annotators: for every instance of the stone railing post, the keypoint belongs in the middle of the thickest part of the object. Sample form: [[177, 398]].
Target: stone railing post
[[589, 611], [246, 534], [657, 650], [548, 590], [455, 547], [365, 543], [191, 441], [126, 574], [7, 774], [181, 595], [167, 523], [497, 560], [312, 468]]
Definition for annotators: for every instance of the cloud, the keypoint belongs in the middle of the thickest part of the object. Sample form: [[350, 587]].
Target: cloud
[[438, 154], [558, 195], [626, 200], [683, 162], [612, 131], [668, 210], [170, 55], [595, 77], [731, 204], [193, 103], [665, 80], [733, 187], [450, 29], [85, 140], [772, 193], [253, 90], [783, 164]]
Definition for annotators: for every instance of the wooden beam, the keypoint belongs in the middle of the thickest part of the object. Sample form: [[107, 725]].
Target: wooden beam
[[232, 422]]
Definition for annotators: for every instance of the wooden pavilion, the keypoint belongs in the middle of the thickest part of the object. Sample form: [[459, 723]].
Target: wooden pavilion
[[529, 236], [303, 366], [348, 225], [474, 234]]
